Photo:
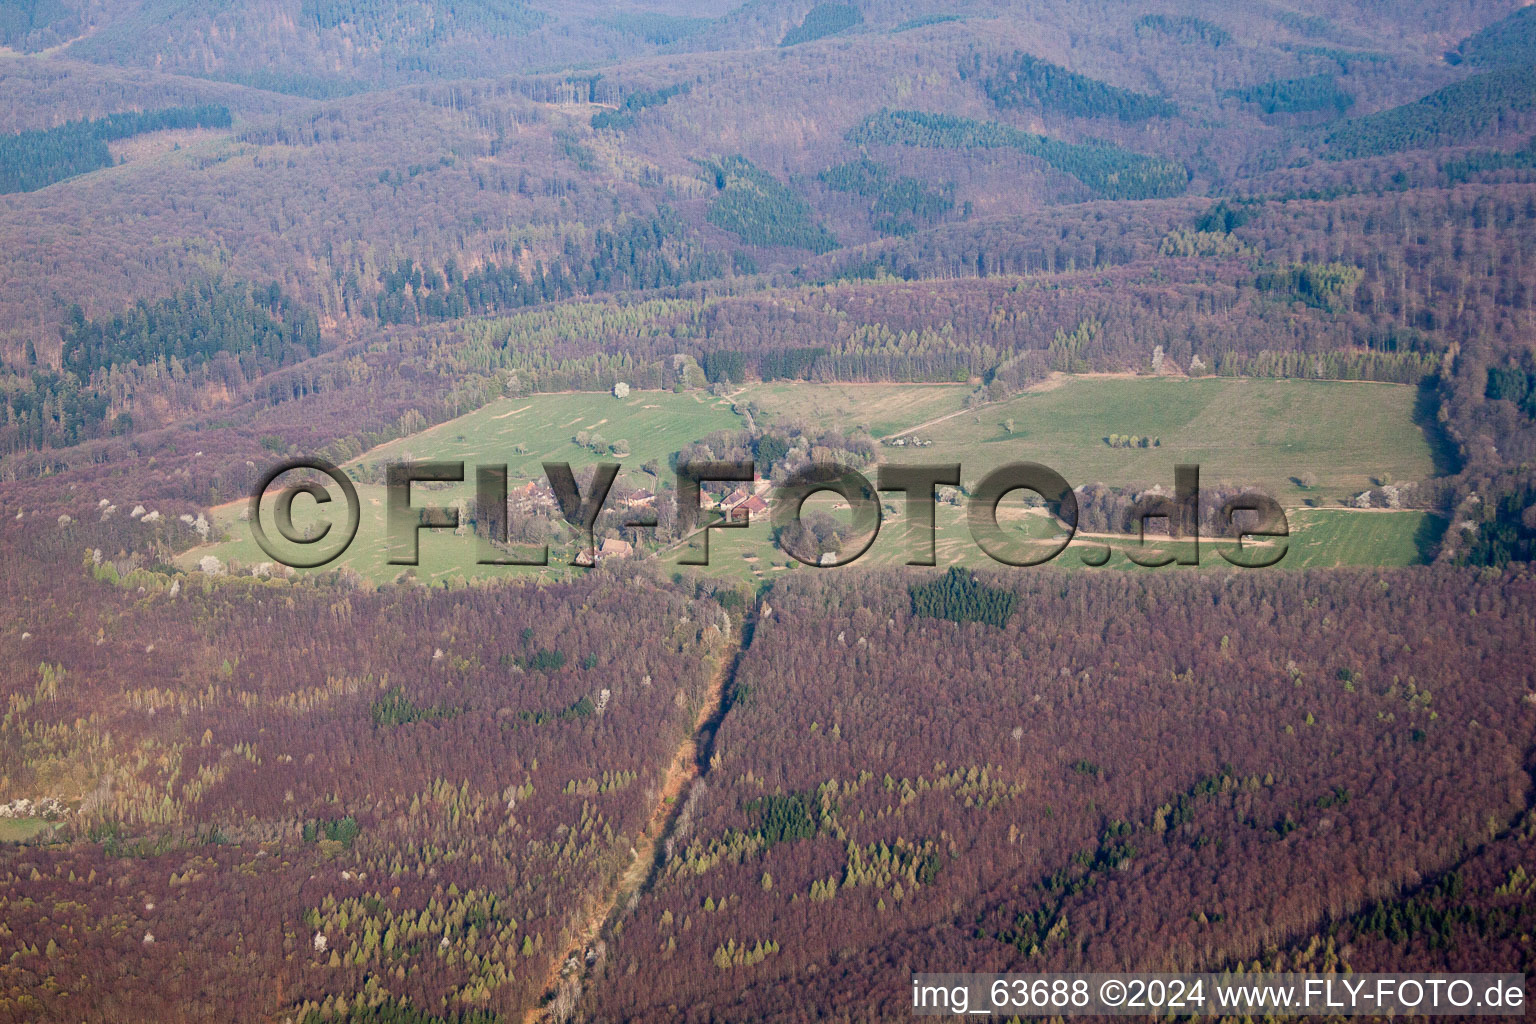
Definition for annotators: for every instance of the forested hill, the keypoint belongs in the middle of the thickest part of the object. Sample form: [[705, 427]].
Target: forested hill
[[796, 232], [1230, 187]]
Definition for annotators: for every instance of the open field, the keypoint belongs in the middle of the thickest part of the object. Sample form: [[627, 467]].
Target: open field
[[881, 409], [14, 830], [1319, 539], [443, 555], [522, 433], [1324, 537], [1263, 433], [654, 423]]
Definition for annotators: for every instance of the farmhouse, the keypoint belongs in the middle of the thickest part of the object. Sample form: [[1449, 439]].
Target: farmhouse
[[747, 507], [615, 548]]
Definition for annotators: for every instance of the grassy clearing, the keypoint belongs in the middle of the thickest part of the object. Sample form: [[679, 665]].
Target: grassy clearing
[[1259, 433], [1268, 434], [443, 555], [880, 409], [1319, 538], [15, 830], [1328, 537], [655, 423], [522, 433]]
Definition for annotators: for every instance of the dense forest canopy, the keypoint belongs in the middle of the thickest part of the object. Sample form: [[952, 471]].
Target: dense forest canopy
[[1109, 171], [823, 20], [1511, 40], [1455, 114], [35, 159], [1297, 95], [1021, 80]]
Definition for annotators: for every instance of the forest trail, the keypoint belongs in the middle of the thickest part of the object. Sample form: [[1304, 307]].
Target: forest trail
[[688, 763]]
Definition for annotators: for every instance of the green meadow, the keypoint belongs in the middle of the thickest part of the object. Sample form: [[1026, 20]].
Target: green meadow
[[524, 432], [1311, 444], [1319, 539], [520, 433], [880, 409], [1340, 437], [15, 830]]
